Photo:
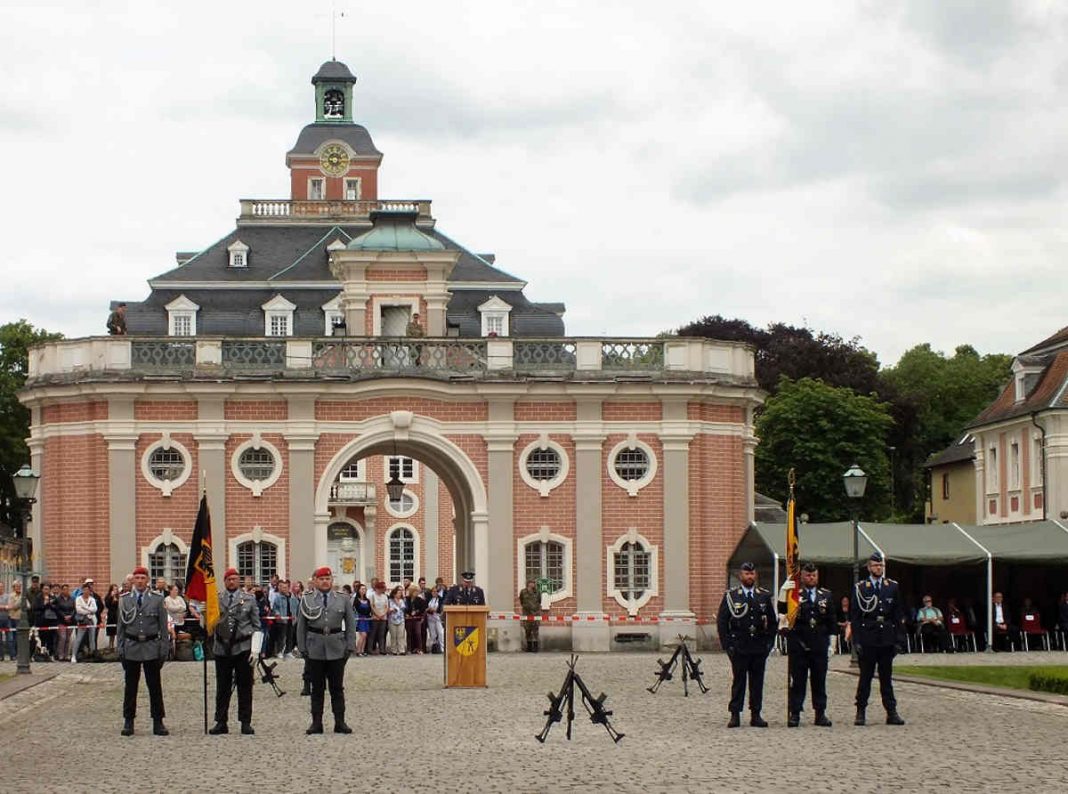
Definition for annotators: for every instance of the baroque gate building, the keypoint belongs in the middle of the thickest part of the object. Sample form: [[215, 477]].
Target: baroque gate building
[[282, 370]]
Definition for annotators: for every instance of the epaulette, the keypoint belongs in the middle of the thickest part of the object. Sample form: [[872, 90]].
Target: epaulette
[[823, 590], [760, 590], [888, 580]]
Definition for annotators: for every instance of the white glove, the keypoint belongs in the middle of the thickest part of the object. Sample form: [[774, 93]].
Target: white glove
[[784, 623], [784, 591], [257, 646]]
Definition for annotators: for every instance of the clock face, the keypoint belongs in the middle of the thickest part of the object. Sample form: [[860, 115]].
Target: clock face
[[334, 161]]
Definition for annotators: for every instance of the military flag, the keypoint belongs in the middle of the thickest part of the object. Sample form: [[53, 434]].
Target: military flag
[[793, 557], [200, 575]]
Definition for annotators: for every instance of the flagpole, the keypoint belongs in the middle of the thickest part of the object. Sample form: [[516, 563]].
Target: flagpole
[[204, 618], [791, 508]]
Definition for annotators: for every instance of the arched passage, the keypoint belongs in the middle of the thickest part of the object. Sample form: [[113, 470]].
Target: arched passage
[[399, 433]]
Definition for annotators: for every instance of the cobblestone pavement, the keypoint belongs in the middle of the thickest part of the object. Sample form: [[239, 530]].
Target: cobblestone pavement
[[414, 736]]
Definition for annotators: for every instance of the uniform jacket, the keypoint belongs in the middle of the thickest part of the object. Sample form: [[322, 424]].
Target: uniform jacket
[[877, 615], [747, 626], [530, 602], [469, 596], [237, 622], [325, 632], [141, 632], [815, 624]]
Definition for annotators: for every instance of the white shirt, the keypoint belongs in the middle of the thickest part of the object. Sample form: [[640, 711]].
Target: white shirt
[[999, 613]]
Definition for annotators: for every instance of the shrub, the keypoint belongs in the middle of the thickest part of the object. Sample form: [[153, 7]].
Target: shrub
[[1058, 684]]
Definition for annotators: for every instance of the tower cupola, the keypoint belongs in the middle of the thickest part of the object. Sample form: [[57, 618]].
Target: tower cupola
[[333, 93]]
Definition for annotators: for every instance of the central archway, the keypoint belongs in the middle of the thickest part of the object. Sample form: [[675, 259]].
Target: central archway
[[401, 433]]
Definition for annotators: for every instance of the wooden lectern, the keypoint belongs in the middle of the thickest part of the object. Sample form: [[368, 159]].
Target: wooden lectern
[[465, 645]]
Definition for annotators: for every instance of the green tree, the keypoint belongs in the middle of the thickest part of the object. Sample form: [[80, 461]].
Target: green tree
[[15, 341], [934, 398], [819, 431]]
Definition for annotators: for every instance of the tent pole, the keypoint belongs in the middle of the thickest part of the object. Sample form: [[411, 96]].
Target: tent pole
[[989, 588]]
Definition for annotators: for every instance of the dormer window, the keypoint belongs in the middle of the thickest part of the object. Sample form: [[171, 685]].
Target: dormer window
[[278, 317], [238, 254], [182, 317], [334, 318], [1026, 373], [494, 317]]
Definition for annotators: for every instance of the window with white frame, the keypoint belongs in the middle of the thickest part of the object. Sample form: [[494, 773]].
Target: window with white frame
[[166, 464], [405, 507], [238, 254], [333, 316], [166, 561], [1036, 460], [632, 465], [352, 471], [316, 189], [405, 469], [256, 464], [1014, 465], [258, 559], [182, 317], [401, 545], [632, 571], [992, 469], [543, 465], [494, 314], [352, 189], [278, 316], [544, 559]]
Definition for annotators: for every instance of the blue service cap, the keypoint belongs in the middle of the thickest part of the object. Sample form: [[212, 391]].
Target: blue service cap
[[876, 557], [748, 566]]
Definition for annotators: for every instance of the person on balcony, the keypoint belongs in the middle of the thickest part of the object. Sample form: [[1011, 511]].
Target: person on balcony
[[117, 321]]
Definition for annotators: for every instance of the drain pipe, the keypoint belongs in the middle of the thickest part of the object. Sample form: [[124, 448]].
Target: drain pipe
[[1041, 461]]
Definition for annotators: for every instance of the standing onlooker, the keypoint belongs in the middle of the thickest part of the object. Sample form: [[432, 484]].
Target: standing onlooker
[[85, 612], [14, 614], [396, 621], [117, 321], [379, 618], [111, 604], [434, 630], [65, 612], [47, 619], [282, 615], [362, 607], [5, 622], [176, 608], [415, 619]]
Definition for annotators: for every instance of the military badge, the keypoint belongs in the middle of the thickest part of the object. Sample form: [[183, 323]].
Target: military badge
[[465, 640]]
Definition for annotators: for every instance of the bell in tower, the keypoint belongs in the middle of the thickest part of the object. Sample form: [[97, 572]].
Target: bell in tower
[[333, 92]]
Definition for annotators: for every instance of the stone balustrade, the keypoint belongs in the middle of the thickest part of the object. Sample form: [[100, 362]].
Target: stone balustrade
[[283, 210], [130, 358]]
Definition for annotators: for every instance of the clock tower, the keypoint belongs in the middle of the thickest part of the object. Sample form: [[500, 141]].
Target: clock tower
[[334, 159]]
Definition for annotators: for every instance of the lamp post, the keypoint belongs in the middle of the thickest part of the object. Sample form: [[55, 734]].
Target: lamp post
[[25, 481], [855, 481]]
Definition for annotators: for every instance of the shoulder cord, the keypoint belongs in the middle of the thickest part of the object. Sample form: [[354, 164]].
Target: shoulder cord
[[736, 613], [866, 604], [308, 610]]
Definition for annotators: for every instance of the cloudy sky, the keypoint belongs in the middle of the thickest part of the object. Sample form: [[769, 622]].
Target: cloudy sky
[[896, 171]]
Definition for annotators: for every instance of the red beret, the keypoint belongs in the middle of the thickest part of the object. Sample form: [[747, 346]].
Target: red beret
[[324, 571], [140, 570], [231, 572]]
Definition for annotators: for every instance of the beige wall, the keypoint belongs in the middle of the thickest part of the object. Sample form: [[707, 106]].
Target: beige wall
[[959, 505]]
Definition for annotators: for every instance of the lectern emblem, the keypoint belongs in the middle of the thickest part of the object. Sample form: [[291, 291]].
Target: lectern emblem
[[465, 639]]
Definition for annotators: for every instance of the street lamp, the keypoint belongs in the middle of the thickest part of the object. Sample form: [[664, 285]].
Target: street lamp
[[855, 481], [25, 482]]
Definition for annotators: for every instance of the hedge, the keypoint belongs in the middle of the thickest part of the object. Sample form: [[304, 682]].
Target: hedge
[[1058, 684]]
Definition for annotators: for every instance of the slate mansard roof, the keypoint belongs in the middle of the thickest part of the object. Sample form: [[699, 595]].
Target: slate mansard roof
[[292, 260]]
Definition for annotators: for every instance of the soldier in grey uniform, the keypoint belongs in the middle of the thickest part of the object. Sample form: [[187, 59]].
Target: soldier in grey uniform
[[326, 635], [239, 620], [143, 643]]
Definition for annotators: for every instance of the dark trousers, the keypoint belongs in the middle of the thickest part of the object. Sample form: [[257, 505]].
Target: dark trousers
[[415, 627], [323, 672], [279, 638], [377, 641], [530, 631], [132, 671], [935, 634], [747, 667], [806, 665], [881, 659], [227, 669]]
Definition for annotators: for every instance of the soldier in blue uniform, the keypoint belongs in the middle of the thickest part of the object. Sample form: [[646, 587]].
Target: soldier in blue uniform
[[467, 592], [877, 624], [143, 643], [747, 626], [326, 635], [239, 621], [808, 643]]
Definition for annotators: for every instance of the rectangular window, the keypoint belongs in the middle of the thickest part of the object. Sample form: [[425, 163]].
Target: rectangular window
[[992, 469], [401, 467], [945, 486], [545, 561], [335, 323], [239, 259], [1036, 462], [1014, 466], [183, 325], [279, 325], [258, 560], [352, 189], [316, 190], [495, 324], [401, 555]]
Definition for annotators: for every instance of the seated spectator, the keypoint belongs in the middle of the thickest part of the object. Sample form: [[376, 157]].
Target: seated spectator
[[1062, 613], [176, 608], [85, 609], [932, 625], [396, 621], [1004, 632]]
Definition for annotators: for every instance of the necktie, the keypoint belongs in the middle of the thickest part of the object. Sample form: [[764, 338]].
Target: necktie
[[749, 596], [138, 599], [324, 600], [812, 596], [229, 598]]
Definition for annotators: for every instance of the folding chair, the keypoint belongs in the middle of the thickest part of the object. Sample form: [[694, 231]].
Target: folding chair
[[961, 634], [1031, 626]]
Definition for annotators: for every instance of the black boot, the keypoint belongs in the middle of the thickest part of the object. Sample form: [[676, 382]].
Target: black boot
[[159, 728], [340, 726], [306, 691], [316, 726], [735, 720], [793, 720], [893, 718], [218, 728], [821, 720], [246, 728], [127, 728], [756, 721], [859, 720]]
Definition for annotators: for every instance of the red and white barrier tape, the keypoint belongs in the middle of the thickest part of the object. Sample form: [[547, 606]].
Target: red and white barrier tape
[[592, 618]]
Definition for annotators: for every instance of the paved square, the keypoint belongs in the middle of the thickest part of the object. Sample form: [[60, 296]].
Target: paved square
[[414, 736]]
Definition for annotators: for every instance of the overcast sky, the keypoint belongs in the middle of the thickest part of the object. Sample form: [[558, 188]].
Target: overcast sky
[[896, 171]]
